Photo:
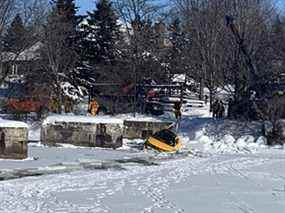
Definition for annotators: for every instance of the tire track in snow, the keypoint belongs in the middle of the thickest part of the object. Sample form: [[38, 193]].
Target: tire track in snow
[[40, 194], [235, 168]]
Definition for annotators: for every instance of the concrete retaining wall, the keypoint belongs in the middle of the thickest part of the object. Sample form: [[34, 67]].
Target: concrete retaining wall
[[143, 129], [106, 135], [13, 143]]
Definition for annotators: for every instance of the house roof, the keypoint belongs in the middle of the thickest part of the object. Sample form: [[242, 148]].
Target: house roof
[[29, 54]]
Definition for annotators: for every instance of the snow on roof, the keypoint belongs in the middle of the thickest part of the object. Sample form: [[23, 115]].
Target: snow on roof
[[81, 119], [29, 54], [12, 124], [180, 78]]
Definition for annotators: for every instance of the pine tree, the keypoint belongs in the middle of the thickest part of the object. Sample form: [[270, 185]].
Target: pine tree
[[144, 49], [176, 34], [176, 54], [16, 38], [60, 32], [102, 34], [60, 45]]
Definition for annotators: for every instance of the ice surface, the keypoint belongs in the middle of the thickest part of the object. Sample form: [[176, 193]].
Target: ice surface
[[226, 183]]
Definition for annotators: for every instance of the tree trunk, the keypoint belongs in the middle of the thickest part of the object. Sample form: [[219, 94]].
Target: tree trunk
[[135, 92], [59, 95], [201, 92], [211, 98]]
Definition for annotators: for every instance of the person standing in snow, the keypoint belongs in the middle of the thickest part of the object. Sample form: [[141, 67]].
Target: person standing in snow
[[215, 108], [221, 109], [2, 142], [93, 107], [230, 108], [177, 112], [68, 105], [206, 99], [54, 104]]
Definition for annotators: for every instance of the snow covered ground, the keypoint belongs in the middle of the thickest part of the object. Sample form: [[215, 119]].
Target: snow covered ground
[[217, 183], [229, 169]]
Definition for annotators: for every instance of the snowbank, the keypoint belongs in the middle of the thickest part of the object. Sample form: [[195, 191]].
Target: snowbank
[[34, 134], [12, 124], [34, 131], [226, 136]]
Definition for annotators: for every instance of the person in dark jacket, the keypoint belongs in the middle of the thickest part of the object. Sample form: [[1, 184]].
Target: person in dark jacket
[[177, 112], [221, 109], [215, 108], [2, 142], [230, 108]]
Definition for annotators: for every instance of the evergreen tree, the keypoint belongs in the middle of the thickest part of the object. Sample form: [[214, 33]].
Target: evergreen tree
[[16, 38], [176, 54], [176, 34], [60, 46], [144, 50], [102, 34], [60, 32]]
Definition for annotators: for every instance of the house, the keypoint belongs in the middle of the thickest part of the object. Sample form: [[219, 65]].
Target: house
[[15, 94], [14, 66]]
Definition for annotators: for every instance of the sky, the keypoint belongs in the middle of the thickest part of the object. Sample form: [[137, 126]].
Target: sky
[[87, 5]]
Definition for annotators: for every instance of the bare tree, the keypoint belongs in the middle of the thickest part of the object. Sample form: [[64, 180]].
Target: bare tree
[[216, 58], [137, 17], [7, 8], [131, 10], [34, 12]]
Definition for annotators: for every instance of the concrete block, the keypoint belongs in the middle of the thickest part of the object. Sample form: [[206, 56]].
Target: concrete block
[[107, 135], [143, 129], [13, 143]]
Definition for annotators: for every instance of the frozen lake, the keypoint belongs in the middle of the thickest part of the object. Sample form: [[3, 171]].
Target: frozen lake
[[213, 183], [231, 171]]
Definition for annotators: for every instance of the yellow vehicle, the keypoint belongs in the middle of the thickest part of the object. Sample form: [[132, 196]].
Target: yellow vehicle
[[164, 141]]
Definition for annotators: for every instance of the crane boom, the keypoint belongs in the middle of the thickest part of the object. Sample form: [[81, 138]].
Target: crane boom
[[240, 42]]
